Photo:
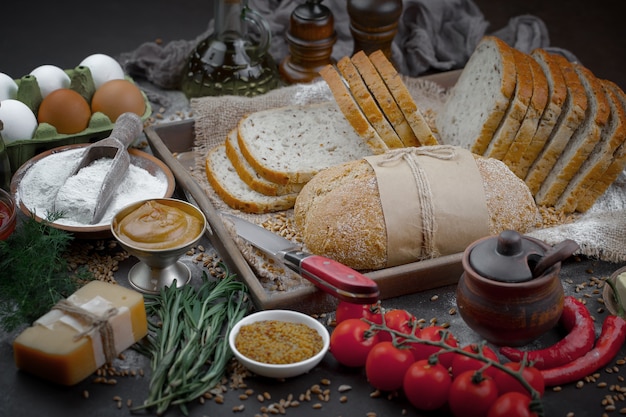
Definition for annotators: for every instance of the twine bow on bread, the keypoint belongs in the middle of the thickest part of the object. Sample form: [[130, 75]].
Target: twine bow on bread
[[94, 322], [410, 156]]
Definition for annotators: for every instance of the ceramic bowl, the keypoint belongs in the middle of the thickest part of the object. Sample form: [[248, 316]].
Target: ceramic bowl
[[280, 370], [159, 267], [102, 230], [8, 221]]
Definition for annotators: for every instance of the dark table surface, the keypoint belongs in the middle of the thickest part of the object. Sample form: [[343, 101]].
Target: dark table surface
[[62, 33]]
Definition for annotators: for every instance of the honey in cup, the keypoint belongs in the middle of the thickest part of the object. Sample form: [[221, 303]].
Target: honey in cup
[[158, 225]]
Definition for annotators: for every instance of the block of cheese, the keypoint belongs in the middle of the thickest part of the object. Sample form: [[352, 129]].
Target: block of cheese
[[82, 333], [620, 286]]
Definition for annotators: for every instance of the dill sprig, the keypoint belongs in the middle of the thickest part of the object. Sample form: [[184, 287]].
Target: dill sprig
[[187, 342], [34, 275]]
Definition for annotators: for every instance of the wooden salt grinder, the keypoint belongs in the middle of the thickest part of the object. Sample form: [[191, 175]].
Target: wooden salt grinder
[[374, 24], [311, 37]]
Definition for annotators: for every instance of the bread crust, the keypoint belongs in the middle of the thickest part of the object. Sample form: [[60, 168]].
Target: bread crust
[[403, 98]]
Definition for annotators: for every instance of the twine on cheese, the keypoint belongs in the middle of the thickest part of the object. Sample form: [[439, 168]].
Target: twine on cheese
[[95, 323], [409, 155]]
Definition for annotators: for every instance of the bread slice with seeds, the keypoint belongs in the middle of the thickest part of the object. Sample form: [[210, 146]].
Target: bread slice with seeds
[[557, 94], [572, 115], [403, 98], [289, 145], [581, 143], [353, 114], [227, 184], [616, 165], [364, 99], [480, 98], [385, 100], [248, 175], [518, 107], [530, 124]]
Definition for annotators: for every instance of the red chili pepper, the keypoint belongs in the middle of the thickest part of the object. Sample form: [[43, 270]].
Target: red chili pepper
[[579, 340], [607, 346]]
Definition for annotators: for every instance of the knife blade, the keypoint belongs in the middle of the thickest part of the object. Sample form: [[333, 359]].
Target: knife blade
[[328, 275]]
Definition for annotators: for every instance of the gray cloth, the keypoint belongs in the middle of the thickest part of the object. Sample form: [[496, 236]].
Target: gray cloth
[[433, 35]]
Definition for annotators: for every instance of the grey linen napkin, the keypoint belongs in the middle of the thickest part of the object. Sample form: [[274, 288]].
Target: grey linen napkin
[[433, 35]]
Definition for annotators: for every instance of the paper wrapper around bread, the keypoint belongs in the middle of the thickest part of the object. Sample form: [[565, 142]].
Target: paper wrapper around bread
[[82, 333], [432, 199]]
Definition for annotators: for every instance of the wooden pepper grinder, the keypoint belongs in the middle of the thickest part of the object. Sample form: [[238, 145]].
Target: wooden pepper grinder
[[311, 37], [374, 24]]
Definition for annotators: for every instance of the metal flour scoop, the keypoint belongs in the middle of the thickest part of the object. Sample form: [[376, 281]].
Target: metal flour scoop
[[127, 127]]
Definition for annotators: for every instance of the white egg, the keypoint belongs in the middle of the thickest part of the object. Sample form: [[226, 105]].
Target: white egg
[[18, 120], [50, 78], [8, 87], [103, 68]]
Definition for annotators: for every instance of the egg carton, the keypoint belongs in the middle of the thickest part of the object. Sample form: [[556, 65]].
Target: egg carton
[[46, 136]]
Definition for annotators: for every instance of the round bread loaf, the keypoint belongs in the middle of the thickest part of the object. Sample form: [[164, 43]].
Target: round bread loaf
[[339, 212]]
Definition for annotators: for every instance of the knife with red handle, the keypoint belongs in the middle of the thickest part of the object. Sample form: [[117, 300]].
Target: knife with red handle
[[328, 275]]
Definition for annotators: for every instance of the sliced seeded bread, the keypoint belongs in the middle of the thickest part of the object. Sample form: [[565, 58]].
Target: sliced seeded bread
[[351, 110], [557, 94], [237, 194], [248, 175], [518, 107], [612, 136], [480, 98], [581, 143], [364, 99], [289, 145], [530, 124], [572, 115], [385, 100], [616, 166], [403, 98]]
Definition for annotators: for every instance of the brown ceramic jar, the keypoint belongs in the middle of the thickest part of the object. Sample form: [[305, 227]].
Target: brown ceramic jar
[[508, 310]]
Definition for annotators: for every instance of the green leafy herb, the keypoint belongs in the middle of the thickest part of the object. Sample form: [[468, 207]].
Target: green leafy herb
[[188, 348], [34, 273]]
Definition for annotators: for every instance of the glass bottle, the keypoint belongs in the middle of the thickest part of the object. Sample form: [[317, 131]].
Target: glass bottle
[[233, 60]]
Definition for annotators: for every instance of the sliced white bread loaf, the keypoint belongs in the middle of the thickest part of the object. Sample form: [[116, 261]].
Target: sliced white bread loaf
[[510, 124], [530, 124], [480, 98], [615, 168], [613, 135], [557, 94], [581, 143], [289, 145], [385, 100], [403, 98], [572, 115], [352, 113], [237, 194], [247, 173], [364, 99]]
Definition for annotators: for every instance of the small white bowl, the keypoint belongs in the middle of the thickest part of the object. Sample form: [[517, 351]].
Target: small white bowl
[[280, 370]]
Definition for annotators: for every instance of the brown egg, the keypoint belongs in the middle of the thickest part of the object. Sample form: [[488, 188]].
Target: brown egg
[[66, 110], [116, 97]]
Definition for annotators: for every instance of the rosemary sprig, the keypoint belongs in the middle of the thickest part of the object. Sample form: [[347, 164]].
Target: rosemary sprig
[[34, 274], [187, 343]]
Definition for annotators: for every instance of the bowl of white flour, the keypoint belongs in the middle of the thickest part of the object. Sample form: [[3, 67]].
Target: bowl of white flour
[[36, 185]]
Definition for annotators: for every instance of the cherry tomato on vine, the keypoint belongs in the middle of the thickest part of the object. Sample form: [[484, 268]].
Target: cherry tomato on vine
[[508, 383], [472, 394], [386, 365], [461, 363], [350, 344], [346, 310], [434, 333], [426, 385], [512, 404], [399, 320]]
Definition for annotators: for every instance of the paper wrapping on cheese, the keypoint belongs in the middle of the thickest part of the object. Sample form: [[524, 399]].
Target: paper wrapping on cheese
[[82, 333], [428, 212]]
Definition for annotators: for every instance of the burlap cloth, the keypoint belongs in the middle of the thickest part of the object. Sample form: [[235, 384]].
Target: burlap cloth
[[600, 232]]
